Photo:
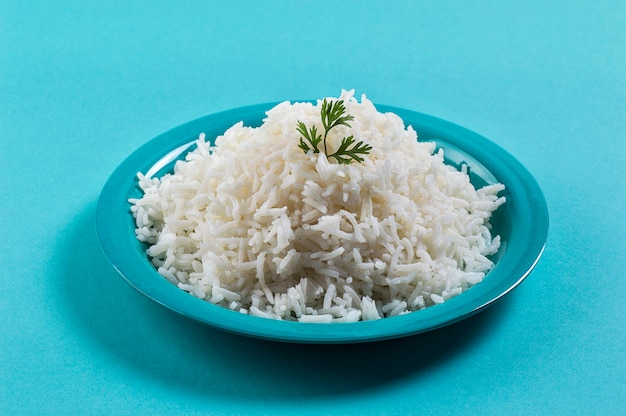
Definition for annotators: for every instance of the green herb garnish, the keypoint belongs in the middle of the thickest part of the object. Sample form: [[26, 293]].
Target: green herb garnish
[[333, 114]]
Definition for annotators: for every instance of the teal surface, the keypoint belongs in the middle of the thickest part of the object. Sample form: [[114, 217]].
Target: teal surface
[[85, 84]]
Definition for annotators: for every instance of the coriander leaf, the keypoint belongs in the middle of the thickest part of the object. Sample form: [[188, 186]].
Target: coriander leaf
[[333, 114], [311, 136], [345, 154]]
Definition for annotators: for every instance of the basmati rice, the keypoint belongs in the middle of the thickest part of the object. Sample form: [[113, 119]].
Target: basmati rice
[[254, 224]]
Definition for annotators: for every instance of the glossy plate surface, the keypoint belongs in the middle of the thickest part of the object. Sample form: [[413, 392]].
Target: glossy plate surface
[[522, 224]]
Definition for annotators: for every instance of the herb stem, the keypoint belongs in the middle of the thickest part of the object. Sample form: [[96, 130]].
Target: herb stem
[[325, 134]]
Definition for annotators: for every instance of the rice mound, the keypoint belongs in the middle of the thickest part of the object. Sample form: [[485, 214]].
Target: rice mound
[[256, 225]]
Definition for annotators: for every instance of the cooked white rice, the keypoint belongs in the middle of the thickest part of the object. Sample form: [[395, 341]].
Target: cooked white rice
[[256, 225]]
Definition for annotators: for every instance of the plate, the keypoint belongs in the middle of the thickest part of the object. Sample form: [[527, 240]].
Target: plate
[[488, 163]]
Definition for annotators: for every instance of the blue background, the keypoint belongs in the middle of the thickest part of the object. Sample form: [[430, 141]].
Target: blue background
[[83, 84]]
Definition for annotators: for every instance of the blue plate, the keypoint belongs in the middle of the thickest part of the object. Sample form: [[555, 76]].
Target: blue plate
[[525, 210]]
